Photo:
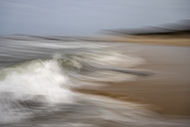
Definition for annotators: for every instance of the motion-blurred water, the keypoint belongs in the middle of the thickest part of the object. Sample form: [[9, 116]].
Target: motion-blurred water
[[38, 75]]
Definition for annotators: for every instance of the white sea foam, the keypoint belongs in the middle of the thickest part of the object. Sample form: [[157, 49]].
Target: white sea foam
[[114, 59], [33, 80], [36, 78]]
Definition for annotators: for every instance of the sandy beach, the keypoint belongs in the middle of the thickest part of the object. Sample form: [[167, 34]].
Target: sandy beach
[[167, 90]]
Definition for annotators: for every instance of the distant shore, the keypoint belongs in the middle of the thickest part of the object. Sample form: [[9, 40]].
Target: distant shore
[[177, 34], [151, 40]]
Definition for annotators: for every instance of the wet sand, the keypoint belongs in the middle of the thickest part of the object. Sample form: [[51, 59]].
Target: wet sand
[[168, 89]]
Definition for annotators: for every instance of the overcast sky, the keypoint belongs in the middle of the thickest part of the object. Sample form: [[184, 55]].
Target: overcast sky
[[86, 17]]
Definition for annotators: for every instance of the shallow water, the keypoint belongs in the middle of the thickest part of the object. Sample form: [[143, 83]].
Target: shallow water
[[38, 77]]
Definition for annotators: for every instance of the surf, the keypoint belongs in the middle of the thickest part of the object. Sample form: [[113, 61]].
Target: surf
[[41, 91]]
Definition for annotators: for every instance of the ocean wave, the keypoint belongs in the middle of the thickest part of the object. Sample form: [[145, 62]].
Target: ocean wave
[[50, 81]]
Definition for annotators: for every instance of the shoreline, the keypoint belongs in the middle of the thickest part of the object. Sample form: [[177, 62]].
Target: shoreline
[[168, 91]]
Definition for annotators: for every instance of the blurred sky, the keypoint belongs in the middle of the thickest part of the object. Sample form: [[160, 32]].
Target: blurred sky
[[86, 17]]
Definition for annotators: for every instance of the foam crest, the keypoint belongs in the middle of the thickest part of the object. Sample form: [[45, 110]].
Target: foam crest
[[36, 78]]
